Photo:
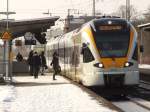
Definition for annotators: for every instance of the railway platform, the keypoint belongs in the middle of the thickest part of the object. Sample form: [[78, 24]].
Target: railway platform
[[144, 68], [27, 94], [145, 72]]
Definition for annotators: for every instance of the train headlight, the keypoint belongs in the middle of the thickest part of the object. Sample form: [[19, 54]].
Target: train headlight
[[100, 65], [109, 22], [127, 64]]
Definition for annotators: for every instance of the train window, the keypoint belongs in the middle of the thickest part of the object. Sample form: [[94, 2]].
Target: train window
[[87, 55], [112, 44]]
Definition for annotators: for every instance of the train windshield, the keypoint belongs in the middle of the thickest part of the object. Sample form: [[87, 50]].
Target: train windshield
[[112, 41]]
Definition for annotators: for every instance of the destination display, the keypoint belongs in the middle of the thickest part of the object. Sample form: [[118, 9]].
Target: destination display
[[110, 27]]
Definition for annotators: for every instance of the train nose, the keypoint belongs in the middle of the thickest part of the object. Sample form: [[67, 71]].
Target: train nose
[[113, 62], [113, 80]]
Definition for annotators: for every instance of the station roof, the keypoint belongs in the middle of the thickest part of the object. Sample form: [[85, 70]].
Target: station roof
[[20, 27], [146, 26]]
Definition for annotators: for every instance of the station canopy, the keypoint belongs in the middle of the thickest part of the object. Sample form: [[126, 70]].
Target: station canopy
[[145, 27], [18, 28]]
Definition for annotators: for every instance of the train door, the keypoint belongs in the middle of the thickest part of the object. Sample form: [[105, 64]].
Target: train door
[[75, 62], [71, 59], [76, 55], [63, 55], [66, 56], [64, 50], [70, 56]]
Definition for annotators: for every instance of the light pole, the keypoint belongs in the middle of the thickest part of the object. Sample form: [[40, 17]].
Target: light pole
[[7, 47]]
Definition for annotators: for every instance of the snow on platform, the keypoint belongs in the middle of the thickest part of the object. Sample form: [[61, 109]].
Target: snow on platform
[[144, 66], [45, 95]]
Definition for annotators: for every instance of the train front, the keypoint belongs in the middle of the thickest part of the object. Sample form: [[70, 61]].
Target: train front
[[115, 48]]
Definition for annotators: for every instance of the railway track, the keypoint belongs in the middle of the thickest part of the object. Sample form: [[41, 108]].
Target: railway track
[[138, 101], [130, 104], [144, 84]]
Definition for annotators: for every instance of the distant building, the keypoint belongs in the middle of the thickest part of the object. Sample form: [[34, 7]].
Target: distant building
[[144, 35], [76, 22], [66, 25]]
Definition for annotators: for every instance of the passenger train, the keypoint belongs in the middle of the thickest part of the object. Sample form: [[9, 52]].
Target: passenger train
[[102, 52]]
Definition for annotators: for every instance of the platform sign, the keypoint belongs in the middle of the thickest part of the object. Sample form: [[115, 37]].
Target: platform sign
[[6, 36], [30, 42], [28, 36]]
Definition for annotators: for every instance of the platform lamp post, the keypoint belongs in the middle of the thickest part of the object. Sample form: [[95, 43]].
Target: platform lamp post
[[7, 46]]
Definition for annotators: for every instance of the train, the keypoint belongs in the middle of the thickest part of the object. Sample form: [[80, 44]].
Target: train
[[102, 52]]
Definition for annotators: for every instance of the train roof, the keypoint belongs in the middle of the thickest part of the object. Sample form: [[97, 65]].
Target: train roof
[[112, 21], [95, 21]]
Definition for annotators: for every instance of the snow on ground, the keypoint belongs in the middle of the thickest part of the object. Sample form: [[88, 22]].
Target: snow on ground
[[45, 95], [141, 102], [7, 95]]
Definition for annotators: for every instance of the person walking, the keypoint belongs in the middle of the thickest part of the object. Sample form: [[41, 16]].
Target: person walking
[[36, 64], [19, 57], [30, 62], [43, 63], [55, 64]]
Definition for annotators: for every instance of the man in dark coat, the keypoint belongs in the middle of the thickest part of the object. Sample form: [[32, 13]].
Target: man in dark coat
[[43, 62], [36, 64], [30, 62], [55, 64]]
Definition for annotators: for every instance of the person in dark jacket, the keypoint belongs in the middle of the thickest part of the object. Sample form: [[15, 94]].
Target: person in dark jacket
[[19, 57], [30, 62], [55, 64], [36, 64], [43, 63]]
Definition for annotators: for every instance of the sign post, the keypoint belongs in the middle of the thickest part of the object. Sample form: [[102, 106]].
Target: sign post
[[7, 46], [6, 36]]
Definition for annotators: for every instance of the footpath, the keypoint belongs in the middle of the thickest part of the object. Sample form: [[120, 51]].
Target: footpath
[[45, 95]]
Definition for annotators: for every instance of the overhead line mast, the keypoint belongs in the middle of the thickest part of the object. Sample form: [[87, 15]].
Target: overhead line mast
[[128, 10], [94, 8]]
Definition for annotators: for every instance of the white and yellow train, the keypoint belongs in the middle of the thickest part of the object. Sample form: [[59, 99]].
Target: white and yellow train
[[103, 52]]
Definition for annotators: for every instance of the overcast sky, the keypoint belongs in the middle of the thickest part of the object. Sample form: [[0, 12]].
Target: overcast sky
[[34, 8]]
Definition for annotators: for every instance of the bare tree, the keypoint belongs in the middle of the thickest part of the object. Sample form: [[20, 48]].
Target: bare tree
[[122, 12], [147, 15]]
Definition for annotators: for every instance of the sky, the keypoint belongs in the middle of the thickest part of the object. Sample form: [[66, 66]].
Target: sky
[[26, 9]]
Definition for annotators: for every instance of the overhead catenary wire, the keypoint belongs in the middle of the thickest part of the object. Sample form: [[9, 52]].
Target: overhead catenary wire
[[82, 7]]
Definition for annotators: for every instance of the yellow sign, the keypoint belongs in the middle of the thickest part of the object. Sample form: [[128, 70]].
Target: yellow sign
[[6, 36]]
